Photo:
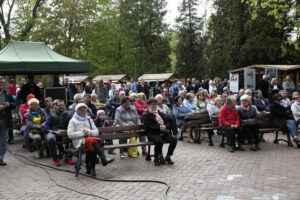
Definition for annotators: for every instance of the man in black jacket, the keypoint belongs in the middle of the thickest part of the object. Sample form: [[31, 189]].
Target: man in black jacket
[[156, 124], [6, 106], [263, 85]]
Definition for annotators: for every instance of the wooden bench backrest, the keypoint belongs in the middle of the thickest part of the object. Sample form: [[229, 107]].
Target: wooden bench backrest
[[121, 132], [215, 121], [199, 118]]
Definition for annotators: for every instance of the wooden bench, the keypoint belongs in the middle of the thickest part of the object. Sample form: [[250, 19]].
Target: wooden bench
[[124, 132], [201, 122]]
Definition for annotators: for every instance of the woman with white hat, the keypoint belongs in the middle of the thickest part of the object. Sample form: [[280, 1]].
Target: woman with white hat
[[82, 130]]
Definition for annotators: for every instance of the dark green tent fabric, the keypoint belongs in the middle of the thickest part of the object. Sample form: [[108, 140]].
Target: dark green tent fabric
[[37, 58]]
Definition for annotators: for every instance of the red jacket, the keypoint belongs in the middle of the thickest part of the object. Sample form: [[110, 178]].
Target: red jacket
[[228, 117], [12, 88], [140, 107], [22, 110]]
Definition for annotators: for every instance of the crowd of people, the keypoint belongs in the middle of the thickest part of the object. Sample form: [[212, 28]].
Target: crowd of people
[[162, 108]]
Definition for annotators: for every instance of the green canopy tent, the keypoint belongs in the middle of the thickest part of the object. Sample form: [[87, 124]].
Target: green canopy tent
[[37, 58]]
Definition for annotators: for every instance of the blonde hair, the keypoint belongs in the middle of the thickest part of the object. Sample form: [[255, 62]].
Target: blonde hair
[[246, 98], [272, 81], [217, 99], [32, 101], [158, 96]]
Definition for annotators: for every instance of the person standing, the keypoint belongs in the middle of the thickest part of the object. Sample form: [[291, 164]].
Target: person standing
[[6, 106], [101, 91], [263, 85], [143, 87], [288, 86], [30, 88], [71, 89]]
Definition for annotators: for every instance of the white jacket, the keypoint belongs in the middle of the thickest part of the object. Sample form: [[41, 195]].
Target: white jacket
[[76, 127], [296, 111]]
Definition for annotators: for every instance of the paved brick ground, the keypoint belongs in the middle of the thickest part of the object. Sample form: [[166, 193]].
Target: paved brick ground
[[200, 172]]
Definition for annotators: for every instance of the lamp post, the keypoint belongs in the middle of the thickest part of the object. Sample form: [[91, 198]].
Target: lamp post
[[134, 53]]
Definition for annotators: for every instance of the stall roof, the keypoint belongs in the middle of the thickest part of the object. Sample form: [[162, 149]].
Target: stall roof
[[114, 78], [37, 58], [158, 77], [279, 67], [76, 78]]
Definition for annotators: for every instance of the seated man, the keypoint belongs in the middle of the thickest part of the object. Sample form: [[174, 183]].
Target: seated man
[[229, 121], [156, 125], [282, 118], [55, 126]]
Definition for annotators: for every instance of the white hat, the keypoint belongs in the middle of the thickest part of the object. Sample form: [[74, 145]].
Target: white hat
[[80, 105]]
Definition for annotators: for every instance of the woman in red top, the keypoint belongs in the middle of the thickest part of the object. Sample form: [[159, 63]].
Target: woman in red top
[[229, 122], [140, 105]]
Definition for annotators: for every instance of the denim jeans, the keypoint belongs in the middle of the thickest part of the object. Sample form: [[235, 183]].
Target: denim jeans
[[291, 124], [51, 141], [3, 139]]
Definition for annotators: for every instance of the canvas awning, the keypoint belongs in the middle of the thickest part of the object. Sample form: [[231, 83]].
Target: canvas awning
[[158, 77], [113, 78], [76, 78], [37, 58], [278, 67]]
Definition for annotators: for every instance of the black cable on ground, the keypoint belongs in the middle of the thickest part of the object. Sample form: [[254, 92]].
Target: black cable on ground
[[40, 165]]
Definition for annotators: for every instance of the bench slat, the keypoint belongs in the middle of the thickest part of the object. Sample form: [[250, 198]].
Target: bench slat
[[124, 135], [121, 128], [120, 146]]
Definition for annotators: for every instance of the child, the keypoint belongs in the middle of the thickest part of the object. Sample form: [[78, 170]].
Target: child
[[101, 121]]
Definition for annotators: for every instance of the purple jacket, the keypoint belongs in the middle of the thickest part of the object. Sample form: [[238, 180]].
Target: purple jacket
[[262, 104]]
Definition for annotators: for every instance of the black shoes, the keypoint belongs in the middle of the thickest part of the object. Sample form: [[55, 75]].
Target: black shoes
[[253, 149], [106, 161], [240, 148], [160, 160], [93, 172], [168, 160], [231, 149], [156, 162], [2, 163]]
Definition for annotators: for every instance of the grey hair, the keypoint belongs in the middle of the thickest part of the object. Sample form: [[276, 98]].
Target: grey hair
[[230, 99], [77, 97], [158, 96]]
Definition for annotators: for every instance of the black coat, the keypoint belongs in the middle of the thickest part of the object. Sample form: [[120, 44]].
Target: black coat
[[8, 110], [263, 85], [279, 115], [151, 125]]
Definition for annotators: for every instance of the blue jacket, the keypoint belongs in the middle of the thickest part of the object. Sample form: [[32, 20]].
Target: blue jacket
[[180, 112]]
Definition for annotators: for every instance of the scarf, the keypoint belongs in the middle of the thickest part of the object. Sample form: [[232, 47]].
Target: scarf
[[160, 105], [245, 108], [157, 117], [79, 118], [35, 114]]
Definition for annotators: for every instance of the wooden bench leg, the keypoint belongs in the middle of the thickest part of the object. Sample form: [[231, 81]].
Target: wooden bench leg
[[210, 134], [181, 135], [148, 157], [276, 138]]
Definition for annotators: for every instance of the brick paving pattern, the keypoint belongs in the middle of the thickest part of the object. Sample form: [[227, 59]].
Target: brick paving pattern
[[200, 172]]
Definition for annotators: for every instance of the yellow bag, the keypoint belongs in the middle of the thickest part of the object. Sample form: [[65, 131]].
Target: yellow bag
[[133, 151]]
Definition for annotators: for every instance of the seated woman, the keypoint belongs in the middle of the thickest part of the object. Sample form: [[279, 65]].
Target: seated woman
[[156, 124], [229, 122], [127, 115], [189, 102], [213, 109], [22, 110], [296, 107], [35, 121], [285, 101], [181, 112], [201, 101], [82, 130], [140, 105], [102, 122], [248, 120], [283, 119], [163, 108], [261, 103], [97, 103]]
